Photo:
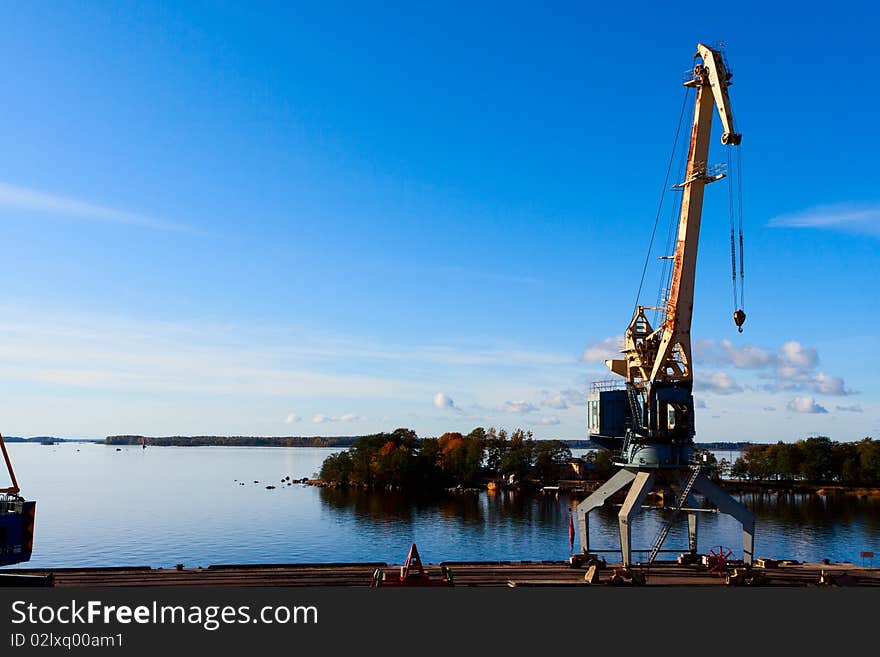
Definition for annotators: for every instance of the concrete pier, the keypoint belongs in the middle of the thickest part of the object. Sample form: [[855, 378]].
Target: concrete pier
[[470, 574]]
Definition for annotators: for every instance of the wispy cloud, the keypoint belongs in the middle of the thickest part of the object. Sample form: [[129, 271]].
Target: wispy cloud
[[13, 197], [320, 418], [855, 408], [805, 405], [293, 417], [520, 407], [599, 351], [549, 421], [861, 218]]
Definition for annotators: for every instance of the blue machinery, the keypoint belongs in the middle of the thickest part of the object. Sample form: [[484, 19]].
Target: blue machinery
[[16, 520]]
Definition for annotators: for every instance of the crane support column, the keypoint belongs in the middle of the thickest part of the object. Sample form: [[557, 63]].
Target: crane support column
[[641, 486], [726, 504], [595, 500]]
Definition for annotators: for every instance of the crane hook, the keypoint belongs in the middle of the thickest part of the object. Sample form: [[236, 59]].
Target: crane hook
[[739, 317]]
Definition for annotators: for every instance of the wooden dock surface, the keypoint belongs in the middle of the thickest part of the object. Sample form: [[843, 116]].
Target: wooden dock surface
[[481, 574]]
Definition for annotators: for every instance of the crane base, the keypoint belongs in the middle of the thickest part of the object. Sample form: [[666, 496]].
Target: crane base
[[640, 482]]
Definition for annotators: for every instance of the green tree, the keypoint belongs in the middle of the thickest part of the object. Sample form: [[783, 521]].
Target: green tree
[[551, 456], [601, 462], [496, 447], [757, 462], [869, 461], [336, 468], [787, 461], [816, 463], [739, 469], [517, 459]]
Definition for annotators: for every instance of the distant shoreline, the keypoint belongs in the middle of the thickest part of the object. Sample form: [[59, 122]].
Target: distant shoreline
[[264, 441], [281, 441], [49, 439]]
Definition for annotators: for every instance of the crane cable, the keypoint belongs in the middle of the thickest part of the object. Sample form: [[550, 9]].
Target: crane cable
[[671, 232], [731, 215], [662, 196], [736, 223], [742, 271]]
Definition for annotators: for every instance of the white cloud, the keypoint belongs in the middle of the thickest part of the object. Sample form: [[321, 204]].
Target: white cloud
[[852, 217], [805, 405], [747, 357], [323, 419], [855, 408], [720, 383], [350, 417], [564, 399], [770, 409], [795, 354], [444, 401], [519, 407], [600, 351], [791, 368], [549, 421], [31, 200], [828, 385], [555, 401], [293, 417]]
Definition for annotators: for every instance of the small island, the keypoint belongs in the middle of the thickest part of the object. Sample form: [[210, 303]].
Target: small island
[[399, 460]]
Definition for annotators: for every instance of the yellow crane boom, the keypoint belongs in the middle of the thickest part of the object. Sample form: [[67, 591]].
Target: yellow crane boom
[[664, 354]]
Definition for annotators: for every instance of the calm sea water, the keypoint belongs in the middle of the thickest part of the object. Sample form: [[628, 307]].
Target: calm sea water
[[161, 506]]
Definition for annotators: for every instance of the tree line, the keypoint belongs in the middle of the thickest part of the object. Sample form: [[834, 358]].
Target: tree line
[[400, 459], [812, 460]]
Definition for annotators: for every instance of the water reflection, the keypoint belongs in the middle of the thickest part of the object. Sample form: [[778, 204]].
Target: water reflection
[[508, 525], [212, 511], [468, 508]]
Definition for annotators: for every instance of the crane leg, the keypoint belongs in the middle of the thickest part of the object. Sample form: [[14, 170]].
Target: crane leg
[[639, 490], [596, 499], [726, 504]]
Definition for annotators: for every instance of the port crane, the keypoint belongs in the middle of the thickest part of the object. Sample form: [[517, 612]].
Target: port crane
[[647, 418], [16, 519]]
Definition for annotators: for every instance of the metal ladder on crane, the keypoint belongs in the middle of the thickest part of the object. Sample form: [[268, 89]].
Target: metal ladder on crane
[[682, 500], [635, 418], [635, 407]]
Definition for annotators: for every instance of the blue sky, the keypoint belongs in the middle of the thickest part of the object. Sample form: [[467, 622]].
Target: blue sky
[[329, 219]]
